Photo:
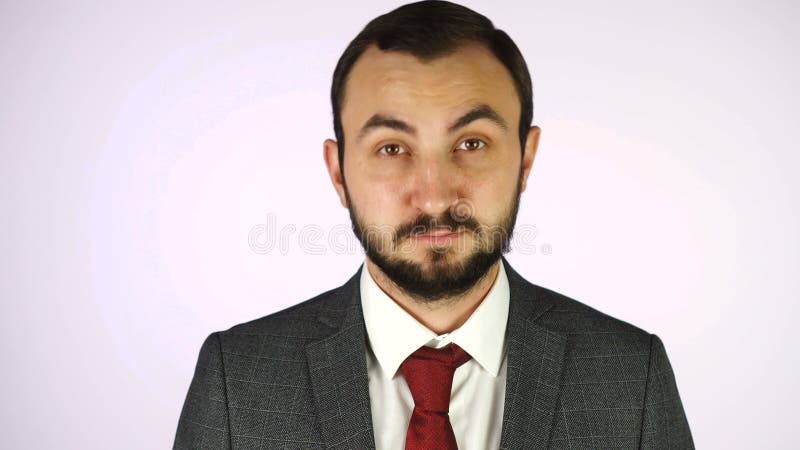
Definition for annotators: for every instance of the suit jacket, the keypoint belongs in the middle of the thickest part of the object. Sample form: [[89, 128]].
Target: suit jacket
[[297, 379]]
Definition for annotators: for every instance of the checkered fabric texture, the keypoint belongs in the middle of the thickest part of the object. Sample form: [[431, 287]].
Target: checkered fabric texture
[[297, 379]]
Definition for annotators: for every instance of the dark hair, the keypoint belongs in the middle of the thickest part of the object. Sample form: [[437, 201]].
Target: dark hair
[[429, 30]]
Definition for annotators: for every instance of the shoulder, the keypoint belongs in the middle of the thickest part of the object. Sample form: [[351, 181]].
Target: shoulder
[[568, 315], [292, 320], [291, 328], [591, 332], [593, 341], [582, 325]]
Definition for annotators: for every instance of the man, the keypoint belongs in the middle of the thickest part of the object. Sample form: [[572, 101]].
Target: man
[[436, 342]]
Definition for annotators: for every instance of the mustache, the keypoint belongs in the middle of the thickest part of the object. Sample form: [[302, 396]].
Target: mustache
[[426, 223]]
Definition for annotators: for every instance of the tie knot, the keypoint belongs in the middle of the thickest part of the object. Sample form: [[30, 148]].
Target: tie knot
[[429, 374], [452, 355]]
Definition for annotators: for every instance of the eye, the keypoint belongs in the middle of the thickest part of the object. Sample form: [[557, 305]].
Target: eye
[[392, 149], [471, 144]]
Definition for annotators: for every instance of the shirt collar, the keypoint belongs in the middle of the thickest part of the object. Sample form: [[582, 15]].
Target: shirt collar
[[394, 334]]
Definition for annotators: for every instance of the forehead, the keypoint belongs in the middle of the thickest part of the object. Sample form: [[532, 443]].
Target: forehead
[[398, 82]]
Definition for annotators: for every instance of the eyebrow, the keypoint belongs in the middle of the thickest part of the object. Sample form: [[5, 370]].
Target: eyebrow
[[482, 111], [479, 112], [383, 121]]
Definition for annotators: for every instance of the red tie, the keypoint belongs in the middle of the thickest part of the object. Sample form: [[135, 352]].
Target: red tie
[[429, 374]]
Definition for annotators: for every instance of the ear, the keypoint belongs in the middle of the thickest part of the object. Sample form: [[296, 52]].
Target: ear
[[531, 144], [331, 155]]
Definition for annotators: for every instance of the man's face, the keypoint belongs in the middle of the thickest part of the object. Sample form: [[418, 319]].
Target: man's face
[[432, 167]]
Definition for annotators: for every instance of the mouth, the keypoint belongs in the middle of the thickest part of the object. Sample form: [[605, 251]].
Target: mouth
[[438, 236]]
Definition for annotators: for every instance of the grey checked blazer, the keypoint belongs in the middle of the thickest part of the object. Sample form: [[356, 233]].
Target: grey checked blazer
[[297, 379]]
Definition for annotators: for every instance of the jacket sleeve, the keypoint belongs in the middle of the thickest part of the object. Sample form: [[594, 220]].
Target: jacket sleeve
[[203, 424], [664, 424]]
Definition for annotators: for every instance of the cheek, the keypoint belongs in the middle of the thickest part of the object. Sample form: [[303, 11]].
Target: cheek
[[491, 195], [376, 199]]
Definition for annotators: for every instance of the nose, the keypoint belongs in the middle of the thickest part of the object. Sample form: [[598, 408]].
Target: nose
[[435, 186]]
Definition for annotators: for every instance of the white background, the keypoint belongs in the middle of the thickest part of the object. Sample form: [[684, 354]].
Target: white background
[[142, 143]]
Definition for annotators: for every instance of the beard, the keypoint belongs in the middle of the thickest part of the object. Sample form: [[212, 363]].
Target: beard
[[440, 276]]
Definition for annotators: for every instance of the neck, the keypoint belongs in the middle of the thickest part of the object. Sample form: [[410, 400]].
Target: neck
[[441, 316]]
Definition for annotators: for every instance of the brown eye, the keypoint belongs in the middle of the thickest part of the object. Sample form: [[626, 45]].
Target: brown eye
[[392, 149], [471, 145]]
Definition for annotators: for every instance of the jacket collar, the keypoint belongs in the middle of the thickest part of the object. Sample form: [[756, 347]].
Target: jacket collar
[[338, 370], [535, 361]]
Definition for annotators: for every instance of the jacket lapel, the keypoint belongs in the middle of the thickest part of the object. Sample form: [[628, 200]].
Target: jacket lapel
[[338, 372], [535, 359]]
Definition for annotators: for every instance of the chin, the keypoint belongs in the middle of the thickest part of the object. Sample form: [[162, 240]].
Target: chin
[[435, 274]]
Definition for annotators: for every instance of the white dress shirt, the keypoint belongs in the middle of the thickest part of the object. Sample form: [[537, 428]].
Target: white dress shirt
[[477, 398]]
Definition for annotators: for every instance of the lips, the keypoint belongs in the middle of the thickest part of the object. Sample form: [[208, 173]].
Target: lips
[[439, 233], [438, 236]]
